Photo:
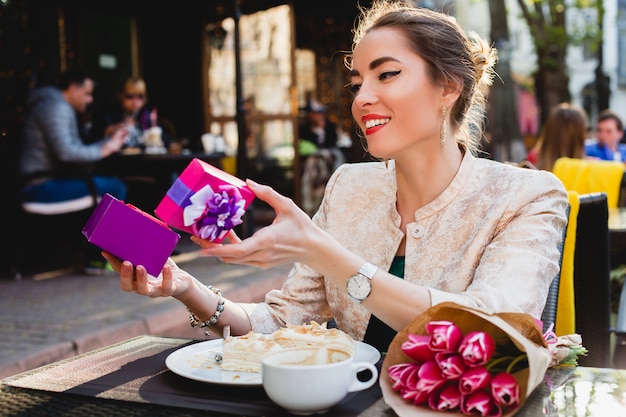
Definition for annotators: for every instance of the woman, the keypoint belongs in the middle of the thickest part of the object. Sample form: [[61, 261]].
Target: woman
[[563, 135], [455, 227], [131, 111]]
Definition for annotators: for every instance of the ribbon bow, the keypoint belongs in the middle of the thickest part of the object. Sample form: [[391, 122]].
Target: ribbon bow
[[212, 213]]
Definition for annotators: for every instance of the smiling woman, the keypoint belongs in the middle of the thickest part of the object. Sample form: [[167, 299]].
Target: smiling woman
[[431, 224]]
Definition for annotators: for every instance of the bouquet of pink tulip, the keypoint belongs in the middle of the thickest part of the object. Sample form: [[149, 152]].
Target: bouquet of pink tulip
[[458, 359], [452, 371]]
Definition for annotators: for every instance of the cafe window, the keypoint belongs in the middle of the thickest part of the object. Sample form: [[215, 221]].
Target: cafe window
[[267, 68]]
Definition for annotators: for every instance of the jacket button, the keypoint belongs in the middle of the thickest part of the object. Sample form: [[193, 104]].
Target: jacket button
[[416, 232]]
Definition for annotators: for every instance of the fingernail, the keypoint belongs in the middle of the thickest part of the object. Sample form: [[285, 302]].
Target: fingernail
[[251, 182]]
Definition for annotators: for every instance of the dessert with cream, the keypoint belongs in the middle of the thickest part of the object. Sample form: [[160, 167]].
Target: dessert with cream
[[243, 353]]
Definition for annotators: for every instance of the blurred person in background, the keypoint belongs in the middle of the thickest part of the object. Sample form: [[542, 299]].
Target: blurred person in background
[[133, 112], [563, 135], [53, 159], [320, 154], [609, 132], [316, 128]]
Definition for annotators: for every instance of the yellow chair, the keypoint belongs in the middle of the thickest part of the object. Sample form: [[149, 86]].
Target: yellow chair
[[591, 176], [583, 286], [566, 312], [559, 312]]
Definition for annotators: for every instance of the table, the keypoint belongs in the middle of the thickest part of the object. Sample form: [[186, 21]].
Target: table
[[617, 236], [130, 378], [149, 176], [617, 219], [152, 164]]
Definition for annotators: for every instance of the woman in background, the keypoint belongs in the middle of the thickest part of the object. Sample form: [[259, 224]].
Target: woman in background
[[563, 135], [133, 112]]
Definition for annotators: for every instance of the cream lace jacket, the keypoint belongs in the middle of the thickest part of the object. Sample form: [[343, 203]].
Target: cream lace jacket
[[490, 240]]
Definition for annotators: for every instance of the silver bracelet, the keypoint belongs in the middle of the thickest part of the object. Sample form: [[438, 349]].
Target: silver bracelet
[[194, 321]]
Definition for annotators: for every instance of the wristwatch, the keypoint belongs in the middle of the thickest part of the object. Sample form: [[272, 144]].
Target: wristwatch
[[359, 285]]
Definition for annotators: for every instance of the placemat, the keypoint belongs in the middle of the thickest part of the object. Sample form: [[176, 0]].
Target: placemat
[[135, 371]]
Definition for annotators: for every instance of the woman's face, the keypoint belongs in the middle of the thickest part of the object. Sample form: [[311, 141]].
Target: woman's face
[[133, 100], [396, 105]]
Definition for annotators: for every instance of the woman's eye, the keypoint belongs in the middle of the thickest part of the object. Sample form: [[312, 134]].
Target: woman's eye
[[354, 88], [388, 74]]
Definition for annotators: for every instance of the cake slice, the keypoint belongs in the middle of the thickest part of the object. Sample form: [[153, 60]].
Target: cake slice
[[243, 353], [313, 335]]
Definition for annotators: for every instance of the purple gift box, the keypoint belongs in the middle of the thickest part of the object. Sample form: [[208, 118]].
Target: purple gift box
[[130, 234], [205, 201]]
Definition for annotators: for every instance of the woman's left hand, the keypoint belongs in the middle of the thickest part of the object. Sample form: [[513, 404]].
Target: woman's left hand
[[172, 281], [290, 238]]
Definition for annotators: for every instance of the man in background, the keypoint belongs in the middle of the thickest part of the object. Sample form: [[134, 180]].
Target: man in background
[[609, 132], [54, 162]]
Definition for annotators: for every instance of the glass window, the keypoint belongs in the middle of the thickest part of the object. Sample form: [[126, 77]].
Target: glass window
[[266, 53]]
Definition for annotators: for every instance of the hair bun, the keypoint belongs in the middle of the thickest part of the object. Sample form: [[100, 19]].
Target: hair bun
[[484, 57], [479, 62]]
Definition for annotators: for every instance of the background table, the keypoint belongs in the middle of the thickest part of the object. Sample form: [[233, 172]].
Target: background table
[[152, 164], [149, 176], [617, 236]]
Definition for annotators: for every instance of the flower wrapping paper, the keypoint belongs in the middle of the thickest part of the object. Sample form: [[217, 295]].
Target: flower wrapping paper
[[517, 328], [205, 201]]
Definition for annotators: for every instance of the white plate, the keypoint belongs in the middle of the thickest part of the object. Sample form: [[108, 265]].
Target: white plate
[[197, 362]]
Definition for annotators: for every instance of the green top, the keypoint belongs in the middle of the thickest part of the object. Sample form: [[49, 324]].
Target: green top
[[378, 334]]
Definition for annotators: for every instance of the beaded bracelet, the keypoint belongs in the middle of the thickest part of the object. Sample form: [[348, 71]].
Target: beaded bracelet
[[194, 321]]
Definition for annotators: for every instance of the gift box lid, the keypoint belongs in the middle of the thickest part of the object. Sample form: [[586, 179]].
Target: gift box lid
[[205, 201]]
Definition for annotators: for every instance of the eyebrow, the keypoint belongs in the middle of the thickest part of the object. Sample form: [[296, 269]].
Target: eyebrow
[[375, 64]]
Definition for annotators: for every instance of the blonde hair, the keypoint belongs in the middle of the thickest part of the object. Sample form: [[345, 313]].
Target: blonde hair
[[451, 56], [563, 134], [134, 85]]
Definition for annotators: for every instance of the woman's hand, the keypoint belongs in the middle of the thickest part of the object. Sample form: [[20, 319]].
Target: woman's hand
[[172, 282], [290, 238]]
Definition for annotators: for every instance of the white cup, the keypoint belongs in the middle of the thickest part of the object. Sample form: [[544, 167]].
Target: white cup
[[311, 380]]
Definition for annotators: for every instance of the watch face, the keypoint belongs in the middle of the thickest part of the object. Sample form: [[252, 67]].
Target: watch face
[[359, 287]]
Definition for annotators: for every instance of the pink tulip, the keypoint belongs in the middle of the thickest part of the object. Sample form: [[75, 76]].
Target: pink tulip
[[477, 348], [446, 336], [505, 390], [404, 379], [474, 379], [417, 348], [451, 365], [480, 404], [448, 399], [398, 368], [429, 379], [408, 394], [403, 375]]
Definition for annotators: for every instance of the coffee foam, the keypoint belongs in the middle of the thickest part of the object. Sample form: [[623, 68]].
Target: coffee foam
[[308, 356]]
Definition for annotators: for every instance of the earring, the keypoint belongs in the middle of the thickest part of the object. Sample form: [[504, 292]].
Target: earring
[[443, 132]]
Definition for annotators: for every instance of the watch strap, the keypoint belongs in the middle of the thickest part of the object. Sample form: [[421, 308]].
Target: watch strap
[[368, 270]]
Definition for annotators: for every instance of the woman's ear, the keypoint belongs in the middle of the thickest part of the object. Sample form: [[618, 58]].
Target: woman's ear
[[450, 91]]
